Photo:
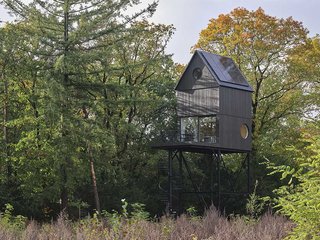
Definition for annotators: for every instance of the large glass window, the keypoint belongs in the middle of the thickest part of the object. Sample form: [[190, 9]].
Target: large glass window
[[199, 129], [189, 129], [207, 129]]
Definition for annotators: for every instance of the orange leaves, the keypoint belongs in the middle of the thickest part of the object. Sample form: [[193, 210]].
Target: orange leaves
[[239, 13], [251, 31], [316, 44]]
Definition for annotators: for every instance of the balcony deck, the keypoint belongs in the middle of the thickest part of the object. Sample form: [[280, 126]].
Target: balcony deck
[[174, 141], [194, 147]]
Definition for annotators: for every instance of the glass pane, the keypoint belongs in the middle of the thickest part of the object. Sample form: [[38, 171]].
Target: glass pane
[[229, 68], [189, 129], [226, 69], [207, 129]]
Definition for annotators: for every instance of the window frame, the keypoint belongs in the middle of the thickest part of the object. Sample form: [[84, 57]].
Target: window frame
[[197, 139]]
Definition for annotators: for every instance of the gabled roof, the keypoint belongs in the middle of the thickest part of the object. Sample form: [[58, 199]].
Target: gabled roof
[[223, 70]]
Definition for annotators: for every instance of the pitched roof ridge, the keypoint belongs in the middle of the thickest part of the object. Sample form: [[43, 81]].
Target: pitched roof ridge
[[226, 73]]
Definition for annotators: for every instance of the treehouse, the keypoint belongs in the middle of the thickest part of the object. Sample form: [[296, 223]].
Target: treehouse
[[214, 106], [214, 117]]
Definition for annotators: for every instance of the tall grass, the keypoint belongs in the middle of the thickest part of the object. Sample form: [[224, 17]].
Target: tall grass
[[210, 227]]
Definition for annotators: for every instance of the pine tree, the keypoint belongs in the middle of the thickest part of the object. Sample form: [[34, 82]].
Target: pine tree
[[71, 36]]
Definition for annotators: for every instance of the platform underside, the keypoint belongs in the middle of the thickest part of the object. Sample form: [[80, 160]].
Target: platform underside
[[196, 147]]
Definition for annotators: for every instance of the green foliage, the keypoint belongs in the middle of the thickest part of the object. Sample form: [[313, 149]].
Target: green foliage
[[124, 207], [8, 220], [85, 89], [193, 213], [113, 218], [138, 212], [299, 198], [255, 204], [84, 93]]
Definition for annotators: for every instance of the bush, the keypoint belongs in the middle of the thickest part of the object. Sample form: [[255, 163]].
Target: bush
[[299, 199]]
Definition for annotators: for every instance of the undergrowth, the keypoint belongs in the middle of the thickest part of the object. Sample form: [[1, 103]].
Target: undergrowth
[[138, 225]]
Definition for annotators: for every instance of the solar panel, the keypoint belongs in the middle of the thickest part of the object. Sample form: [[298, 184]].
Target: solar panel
[[226, 69]]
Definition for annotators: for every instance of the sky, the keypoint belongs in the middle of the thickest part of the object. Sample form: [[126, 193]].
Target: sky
[[189, 17]]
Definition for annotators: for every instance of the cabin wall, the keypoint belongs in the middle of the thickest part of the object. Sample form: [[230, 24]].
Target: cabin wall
[[235, 102], [229, 133], [235, 110], [200, 102], [232, 108], [217, 91], [188, 82]]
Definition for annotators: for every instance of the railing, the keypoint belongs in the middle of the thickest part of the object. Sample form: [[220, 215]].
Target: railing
[[169, 136], [174, 136]]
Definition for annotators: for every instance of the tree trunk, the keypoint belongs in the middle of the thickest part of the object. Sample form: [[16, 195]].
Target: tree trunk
[[94, 181], [63, 189]]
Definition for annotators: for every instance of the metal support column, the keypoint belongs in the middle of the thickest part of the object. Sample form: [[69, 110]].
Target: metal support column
[[194, 185], [219, 182], [170, 185], [175, 178], [248, 173], [180, 182], [211, 177]]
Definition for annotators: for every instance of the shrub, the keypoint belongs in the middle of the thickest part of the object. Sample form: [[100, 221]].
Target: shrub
[[299, 199], [12, 222]]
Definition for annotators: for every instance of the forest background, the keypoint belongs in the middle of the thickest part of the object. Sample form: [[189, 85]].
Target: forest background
[[86, 87]]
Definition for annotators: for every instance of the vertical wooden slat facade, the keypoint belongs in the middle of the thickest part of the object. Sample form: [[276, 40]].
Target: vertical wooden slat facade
[[235, 102], [198, 97], [235, 110], [229, 99], [200, 102]]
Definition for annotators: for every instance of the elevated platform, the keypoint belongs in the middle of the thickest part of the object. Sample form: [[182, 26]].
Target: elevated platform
[[195, 147], [176, 171]]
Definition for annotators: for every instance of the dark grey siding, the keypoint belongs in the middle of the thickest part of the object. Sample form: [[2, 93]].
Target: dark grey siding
[[187, 81], [214, 95], [235, 102], [197, 97], [234, 110], [229, 133], [200, 102], [206, 81]]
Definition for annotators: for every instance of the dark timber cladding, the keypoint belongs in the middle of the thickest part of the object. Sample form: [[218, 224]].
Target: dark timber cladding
[[214, 103], [197, 97]]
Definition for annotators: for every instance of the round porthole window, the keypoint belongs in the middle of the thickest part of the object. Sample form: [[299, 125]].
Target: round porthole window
[[244, 131], [197, 73]]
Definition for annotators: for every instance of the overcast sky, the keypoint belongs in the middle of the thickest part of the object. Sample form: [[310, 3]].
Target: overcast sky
[[189, 17]]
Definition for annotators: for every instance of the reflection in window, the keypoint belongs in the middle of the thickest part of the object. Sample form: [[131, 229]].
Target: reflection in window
[[199, 129], [229, 68], [189, 129], [207, 129]]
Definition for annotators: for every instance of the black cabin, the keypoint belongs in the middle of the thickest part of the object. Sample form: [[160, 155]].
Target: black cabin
[[214, 114], [214, 104]]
